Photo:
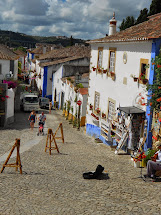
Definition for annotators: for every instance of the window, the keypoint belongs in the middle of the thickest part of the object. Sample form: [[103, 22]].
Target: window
[[143, 70], [96, 100], [0, 69], [111, 108], [100, 57], [112, 59]]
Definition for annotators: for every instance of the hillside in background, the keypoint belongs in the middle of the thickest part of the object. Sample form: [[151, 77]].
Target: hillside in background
[[15, 39]]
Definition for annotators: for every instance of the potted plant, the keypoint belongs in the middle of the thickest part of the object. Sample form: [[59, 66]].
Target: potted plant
[[91, 107], [98, 110], [143, 78], [104, 71], [99, 70], [94, 68], [134, 77], [103, 115]]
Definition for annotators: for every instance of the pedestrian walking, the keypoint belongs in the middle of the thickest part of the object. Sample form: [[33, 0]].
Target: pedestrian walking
[[50, 106], [32, 118]]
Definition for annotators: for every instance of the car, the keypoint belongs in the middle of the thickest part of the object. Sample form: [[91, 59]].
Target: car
[[44, 102]]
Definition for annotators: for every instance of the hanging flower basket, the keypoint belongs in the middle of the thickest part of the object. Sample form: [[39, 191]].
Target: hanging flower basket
[[99, 70], [91, 107], [145, 81], [94, 68], [105, 71], [98, 110], [103, 115], [135, 79]]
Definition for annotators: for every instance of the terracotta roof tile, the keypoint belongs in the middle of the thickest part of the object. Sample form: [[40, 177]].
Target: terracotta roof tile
[[144, 31], [64, 55], [7, 54], [20, 53]]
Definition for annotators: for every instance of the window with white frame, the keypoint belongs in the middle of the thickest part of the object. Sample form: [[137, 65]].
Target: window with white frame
[[112, 59], [96, 100], [100, 56], [111, 109]]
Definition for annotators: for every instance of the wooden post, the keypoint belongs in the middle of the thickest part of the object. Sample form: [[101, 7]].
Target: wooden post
[[18, 161]]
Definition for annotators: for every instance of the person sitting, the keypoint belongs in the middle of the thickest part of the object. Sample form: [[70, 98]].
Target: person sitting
[[42, 117], [154, 164]]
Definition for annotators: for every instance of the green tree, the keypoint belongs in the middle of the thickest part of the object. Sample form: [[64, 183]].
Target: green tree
[[71, 41], [155, 7], [143, 16], [130, 21]]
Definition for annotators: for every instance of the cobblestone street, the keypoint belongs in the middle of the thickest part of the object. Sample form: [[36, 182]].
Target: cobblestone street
[[53, 184]]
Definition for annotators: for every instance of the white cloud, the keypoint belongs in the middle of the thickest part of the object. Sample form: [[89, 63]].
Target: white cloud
[[85, 19]]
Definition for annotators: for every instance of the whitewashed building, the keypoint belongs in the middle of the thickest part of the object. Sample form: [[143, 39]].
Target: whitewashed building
[[121, 57], [61, 63], [8, 70]]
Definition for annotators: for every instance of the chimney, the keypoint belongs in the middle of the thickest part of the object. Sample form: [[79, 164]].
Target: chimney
[[44, 49], [112, 26]]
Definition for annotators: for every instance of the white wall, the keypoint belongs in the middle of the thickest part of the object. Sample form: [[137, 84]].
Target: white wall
[[57, 83], [15, 69], [5, 68], [10, 105], [124, 95]]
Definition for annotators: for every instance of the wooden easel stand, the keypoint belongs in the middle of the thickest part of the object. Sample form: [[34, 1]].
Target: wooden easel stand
[[49, 135], [18, 161]]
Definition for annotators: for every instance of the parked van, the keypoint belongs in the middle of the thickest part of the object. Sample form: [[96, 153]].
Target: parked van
[[44, 102], [29, 102]]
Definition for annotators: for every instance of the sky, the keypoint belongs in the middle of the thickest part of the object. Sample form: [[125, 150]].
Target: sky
[[83, 19]]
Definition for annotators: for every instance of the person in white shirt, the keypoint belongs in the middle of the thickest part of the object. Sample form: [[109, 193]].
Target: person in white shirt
[[42, 117], [154, 164]]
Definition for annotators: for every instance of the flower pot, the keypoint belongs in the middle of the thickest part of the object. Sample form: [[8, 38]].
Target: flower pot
[[135, 79], [94, 69], [145, 81], [105, 71], [99, 71]]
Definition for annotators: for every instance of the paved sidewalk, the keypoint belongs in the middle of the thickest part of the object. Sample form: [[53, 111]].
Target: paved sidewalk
[[53, 185]]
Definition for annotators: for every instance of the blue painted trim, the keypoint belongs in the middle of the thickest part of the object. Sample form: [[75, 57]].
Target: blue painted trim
[[44, 89], [95, 131], [49, 96], [154, 52], [32, 56]]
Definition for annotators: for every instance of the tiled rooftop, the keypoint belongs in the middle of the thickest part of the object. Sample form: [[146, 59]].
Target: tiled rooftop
[[65, 54], [147, 30], [20, 53], [7, 54]]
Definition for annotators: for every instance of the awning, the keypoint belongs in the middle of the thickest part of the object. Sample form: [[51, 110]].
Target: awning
[[131, 110]]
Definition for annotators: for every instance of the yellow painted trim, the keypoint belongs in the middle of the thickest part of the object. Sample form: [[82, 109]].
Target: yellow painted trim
[[110, 50], [143, 61], [83, 120]]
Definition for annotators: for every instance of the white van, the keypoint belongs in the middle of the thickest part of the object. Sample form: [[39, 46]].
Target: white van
[[29, 102]]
